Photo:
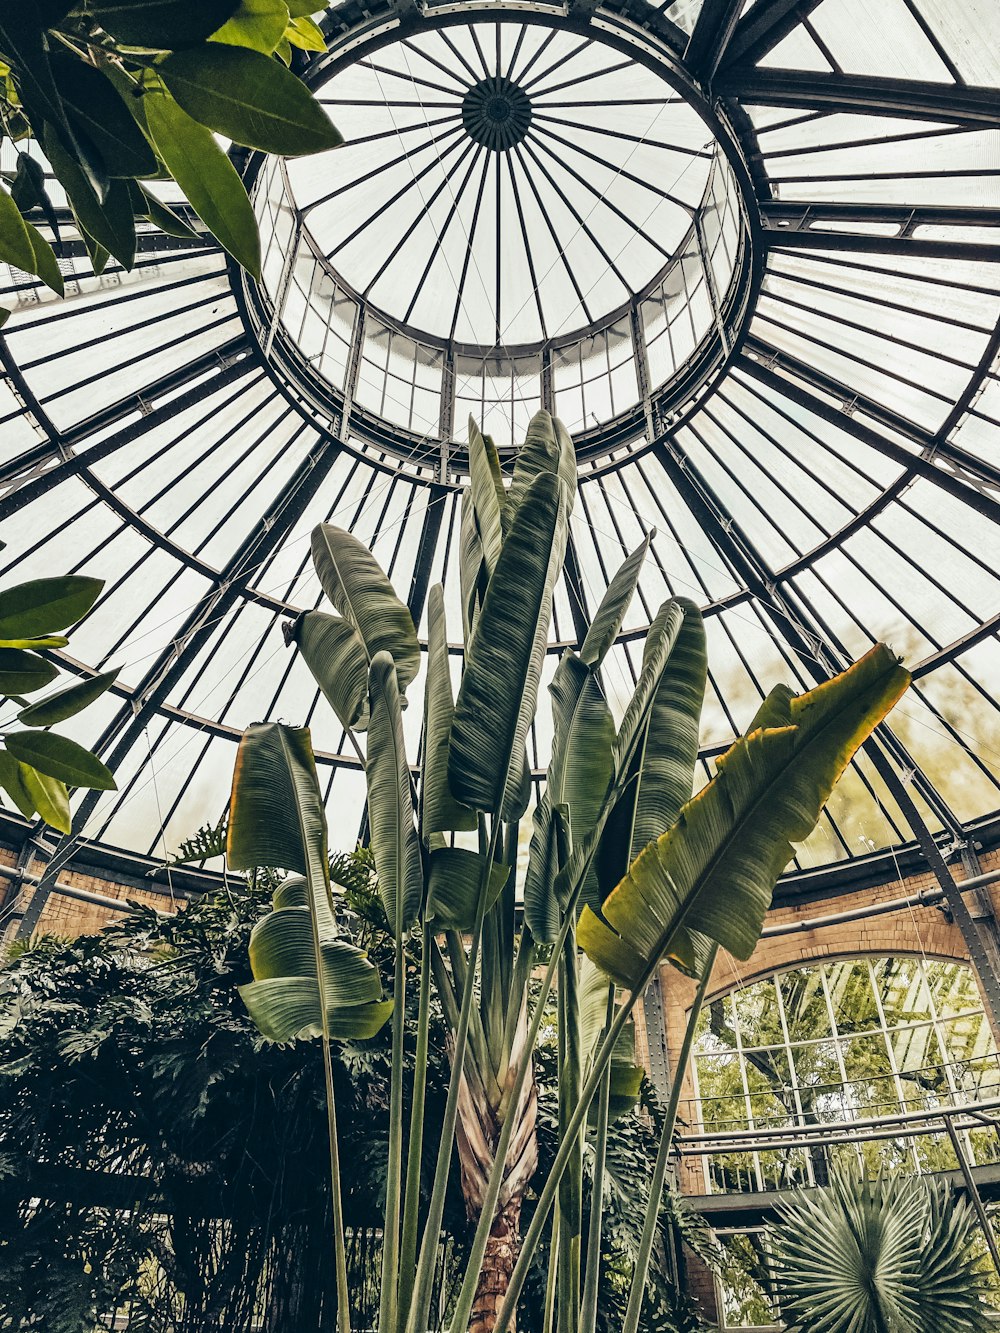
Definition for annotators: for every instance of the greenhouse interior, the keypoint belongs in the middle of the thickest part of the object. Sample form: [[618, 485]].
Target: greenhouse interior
[[500, 661]]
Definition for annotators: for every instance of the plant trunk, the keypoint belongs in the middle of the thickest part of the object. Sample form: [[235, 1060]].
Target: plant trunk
[[498, 1263]]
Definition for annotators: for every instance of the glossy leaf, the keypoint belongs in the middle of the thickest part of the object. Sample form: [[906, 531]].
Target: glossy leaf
[[259, 24], [145, 204], [50, 798], [334, 652], [68, 702], [15, 247], [249, 98], [165, 25], [394, 840], [209, 180], [710, 877], [95, 107], [31, 609], [108, 222], [59, 757], [357, 587], [22, 672], [499, 690], [12, 775], [306, 35], [439, 811]]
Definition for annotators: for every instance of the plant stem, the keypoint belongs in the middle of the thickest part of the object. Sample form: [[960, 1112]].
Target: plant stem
[[571, 1186], [550, 1282], [339, 1237], [411, 1193], [387, 1310], [641, 1271], [588, 1310], [420, 1304]]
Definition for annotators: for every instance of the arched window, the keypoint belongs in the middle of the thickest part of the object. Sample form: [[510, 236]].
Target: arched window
[[841, 1043]]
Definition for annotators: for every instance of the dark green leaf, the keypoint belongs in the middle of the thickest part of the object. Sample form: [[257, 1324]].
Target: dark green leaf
[[208, 178], [146, 205], [614, 604], [95, 106], [439, 812], [15, 246], [249, 98], [354, 582], [50, 797], [23, 44], [61, 758], [335, 654], [12, 780], [163, 25], [68, 702], [109, 223], [30, 609], [22, 672]]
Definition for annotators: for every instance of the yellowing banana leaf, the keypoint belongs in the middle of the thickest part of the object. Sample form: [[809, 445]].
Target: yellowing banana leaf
[[357, 587], [711, 876]]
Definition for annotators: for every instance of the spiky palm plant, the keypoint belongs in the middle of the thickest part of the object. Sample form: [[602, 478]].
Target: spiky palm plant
[[892, 1255]]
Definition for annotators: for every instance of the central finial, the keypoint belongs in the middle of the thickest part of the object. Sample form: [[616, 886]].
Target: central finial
[[496, 113]]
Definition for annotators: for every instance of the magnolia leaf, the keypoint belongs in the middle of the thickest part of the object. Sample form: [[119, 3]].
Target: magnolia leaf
[[29, 610], [50, 798], [259, 24], [96, 107], [59, 757], [306, 35], [68, 702], [249, 98], [12, 776], [209, 180], [22, 672], [164, 25], [108, 222]]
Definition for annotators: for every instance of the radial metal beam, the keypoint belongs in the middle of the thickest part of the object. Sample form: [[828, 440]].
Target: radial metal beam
[[791, 226], [811, 389], [713, 29], [768, 22], [952, 103]]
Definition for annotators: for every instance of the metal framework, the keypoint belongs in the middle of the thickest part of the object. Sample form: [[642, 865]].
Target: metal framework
[[831, 428]]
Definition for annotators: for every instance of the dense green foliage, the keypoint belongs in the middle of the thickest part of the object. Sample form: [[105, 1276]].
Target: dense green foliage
[[121, 96], [37, 765], [128, 1054]]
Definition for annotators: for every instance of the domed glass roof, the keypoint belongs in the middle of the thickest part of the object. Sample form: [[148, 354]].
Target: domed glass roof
[[749, 252]]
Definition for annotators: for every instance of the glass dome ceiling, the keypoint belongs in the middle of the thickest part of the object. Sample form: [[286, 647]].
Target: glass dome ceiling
[[810, 417]]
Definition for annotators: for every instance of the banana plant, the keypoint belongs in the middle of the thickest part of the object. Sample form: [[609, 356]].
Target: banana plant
[[626, 870]]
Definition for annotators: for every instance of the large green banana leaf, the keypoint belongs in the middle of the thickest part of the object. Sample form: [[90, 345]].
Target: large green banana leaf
[[626, 1075], [439, 811], [488, 494], [335, 654], [580, 772], [547, 448], [454, 878], [357, 587], [614, 604], [394, 841], [276, 819], [499, 689], [471, 566], [660, 777], [710, 877]]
